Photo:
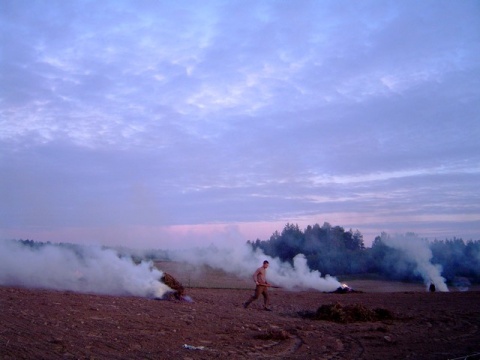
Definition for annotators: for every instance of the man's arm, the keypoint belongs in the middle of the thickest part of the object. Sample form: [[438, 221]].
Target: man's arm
[[255, 276]]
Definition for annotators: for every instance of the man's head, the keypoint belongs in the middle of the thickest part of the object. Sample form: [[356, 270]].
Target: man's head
[[265, 264]]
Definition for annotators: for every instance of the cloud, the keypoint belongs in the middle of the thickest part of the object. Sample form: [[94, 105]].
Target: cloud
[[418, 251], [85, 269], [160, 114], [242, 261]]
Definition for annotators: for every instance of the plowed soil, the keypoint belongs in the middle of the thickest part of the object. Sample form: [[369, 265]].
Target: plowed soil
[[46, 324]]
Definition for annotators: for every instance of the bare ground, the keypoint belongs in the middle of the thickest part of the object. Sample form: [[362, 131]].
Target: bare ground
[[45, 324]]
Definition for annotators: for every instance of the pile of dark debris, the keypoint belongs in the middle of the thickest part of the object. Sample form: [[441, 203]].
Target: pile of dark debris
[[347, 314]]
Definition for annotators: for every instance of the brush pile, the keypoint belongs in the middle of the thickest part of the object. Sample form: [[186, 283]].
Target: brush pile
[[348, 314], [345, 289], [177, 287]]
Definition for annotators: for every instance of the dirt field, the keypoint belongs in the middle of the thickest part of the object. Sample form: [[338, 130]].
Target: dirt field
[[41, 324]]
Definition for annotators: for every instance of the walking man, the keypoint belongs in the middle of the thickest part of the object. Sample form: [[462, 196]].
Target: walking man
[[261, 287]]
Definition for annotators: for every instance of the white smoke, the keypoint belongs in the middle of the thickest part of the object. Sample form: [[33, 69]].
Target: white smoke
[[419, 252], [243, 261], [85, 269]]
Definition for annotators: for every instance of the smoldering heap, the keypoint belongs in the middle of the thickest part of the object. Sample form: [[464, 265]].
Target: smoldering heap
[[345, 289], [178, 291]]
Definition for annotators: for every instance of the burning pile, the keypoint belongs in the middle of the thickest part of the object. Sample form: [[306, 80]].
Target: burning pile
[[345, 289], [177, 287], [347, 314]]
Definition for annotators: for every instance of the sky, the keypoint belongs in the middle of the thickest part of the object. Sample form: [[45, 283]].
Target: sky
[[170, 124]]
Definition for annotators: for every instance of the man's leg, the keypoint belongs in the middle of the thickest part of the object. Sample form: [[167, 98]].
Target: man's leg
[[253, 297], [266, 299]]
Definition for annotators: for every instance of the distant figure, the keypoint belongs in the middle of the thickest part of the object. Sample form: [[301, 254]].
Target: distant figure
[[260, 278], [432, 287]]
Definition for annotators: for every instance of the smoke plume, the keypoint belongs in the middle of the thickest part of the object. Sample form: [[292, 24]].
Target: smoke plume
[[243, 261], [419, 252], [85, 269]]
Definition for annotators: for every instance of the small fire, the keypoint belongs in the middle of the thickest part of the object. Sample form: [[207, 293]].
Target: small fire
[[344, 288]]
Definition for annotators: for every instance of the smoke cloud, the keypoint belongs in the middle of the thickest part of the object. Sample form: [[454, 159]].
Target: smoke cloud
[[243, 261], [418, 251], [85, 269]]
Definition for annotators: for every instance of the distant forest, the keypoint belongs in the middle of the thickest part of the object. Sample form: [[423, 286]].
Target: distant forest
[[335, 251]]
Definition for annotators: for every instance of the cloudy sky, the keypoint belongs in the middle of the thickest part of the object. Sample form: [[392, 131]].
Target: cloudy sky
[[174, 123]]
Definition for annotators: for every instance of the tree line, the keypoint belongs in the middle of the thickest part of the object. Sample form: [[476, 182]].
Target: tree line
[[336, 251]]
